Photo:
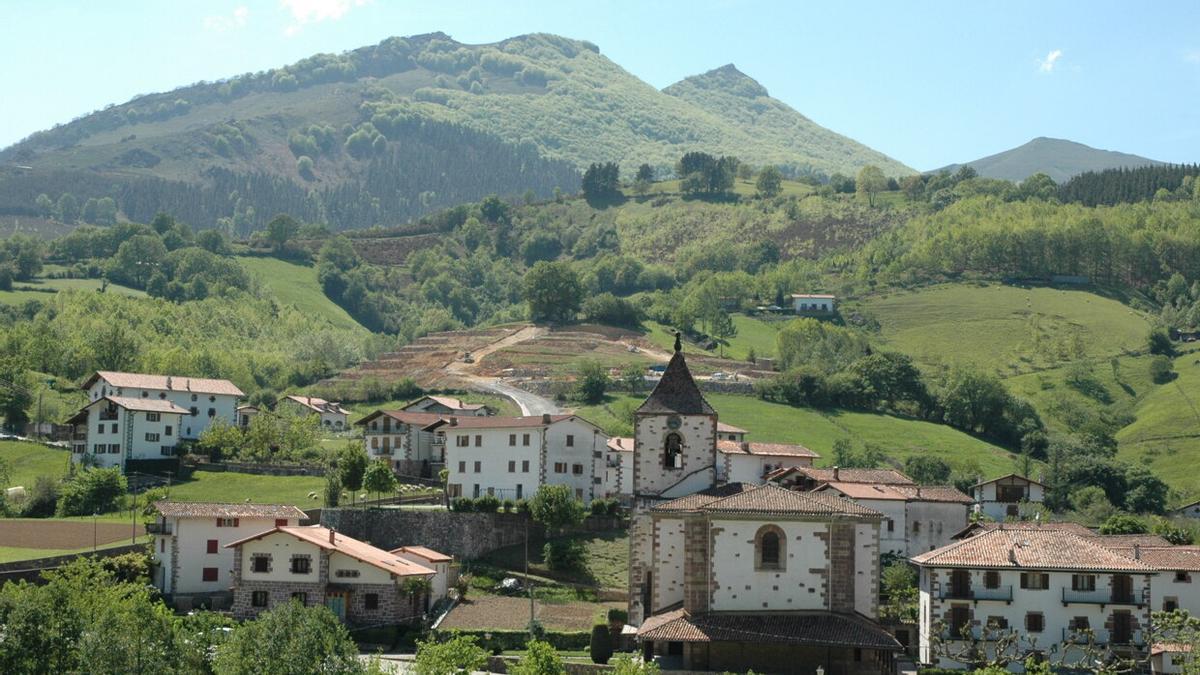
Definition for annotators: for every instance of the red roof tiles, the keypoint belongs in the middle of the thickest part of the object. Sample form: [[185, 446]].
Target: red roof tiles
[[195, 385], [1036, 549], [824, 629], [218, 510]]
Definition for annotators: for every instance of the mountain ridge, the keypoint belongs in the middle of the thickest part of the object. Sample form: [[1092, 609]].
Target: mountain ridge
[[1058, 158]]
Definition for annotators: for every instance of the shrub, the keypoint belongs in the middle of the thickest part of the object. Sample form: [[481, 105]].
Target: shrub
[[456, 655], [600, 507], [462, 504], [522, 506], [618, 615], [564, 555], [42, 501], [92, 491], [507, 506], [1123, 524], [487, 504], [540, 659], [1161, 369], [601, 648]]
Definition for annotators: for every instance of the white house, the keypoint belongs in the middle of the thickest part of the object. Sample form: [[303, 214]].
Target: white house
[[440, 563], [1009, 497], [510, 457], [808, 303], [189, 540], [332, 415], [1171, 658], [917, 518], [112, 430], [746, 462], [245, 413], [447, 405], [1191, 510], [806, 478], [361, 584], [401, 436], [730, 576], [1046, 585], [728, 432], [618, 468], [1177, 585], [205, 400]]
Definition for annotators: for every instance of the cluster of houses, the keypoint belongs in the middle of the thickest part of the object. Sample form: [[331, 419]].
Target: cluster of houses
[[743, 554]]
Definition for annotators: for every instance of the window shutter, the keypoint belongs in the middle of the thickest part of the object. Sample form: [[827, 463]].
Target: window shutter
[[237, 522], [1024, 580], [1045, 581], [219, 523]]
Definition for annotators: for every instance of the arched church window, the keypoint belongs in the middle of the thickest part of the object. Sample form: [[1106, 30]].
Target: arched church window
[[769, 548], [673, 452]]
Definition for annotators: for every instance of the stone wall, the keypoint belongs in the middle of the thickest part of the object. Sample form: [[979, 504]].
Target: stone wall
[[841, 567], [31, 570]]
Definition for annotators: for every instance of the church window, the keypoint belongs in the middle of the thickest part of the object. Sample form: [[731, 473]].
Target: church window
[[769, 548], [673, 452]]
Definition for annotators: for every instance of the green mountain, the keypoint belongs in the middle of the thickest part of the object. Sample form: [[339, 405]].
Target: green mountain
[[381, 134], [1060, 159]]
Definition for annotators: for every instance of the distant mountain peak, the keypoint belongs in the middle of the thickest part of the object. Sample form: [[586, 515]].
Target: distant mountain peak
[[1058, 158], [727, 78]]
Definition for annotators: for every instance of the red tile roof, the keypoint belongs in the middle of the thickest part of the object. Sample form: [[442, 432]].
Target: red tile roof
[[361, 551], [976, 528], [1011, 475], [824, 629], [402, 416], [145, 404], [901, 493], [767, 449], [1036, 549], [195, 385], [1129, 540], [620, 444], [1165, 558], [423, 552], [697, 500], [217, 510], [455, 403], [450, 423], [767, 499], [319, 405], [730, 429], [879, 476]]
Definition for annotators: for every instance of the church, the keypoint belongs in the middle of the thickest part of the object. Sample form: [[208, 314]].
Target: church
[[737, 576]]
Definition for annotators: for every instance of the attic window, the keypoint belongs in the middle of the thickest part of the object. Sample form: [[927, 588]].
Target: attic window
[[673, 452]]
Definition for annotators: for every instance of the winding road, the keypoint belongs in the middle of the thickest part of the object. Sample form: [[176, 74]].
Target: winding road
[[530, 404]]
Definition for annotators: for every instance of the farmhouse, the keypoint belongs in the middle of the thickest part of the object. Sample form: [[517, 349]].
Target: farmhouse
[[1009, 497], [1047, 585], [813, 303], [917, 518], [440, 563], [205, 400], [446, 405], [400, 435], [510, 457], [1188, 510], [728, 432], [746, 462], [618, 468], [314, 565], [245, 413], [734, 576], [189, 539], [806, 478], [333, 416], [112, 430], [1177, 585]]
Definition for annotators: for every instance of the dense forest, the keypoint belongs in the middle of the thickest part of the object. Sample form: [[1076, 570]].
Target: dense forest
[[1117, 186]]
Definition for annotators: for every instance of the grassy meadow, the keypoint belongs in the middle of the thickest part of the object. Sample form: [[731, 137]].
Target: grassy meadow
[[297, 285]]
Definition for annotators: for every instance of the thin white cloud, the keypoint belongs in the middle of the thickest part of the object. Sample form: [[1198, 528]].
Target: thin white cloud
[[1048, 64], [226, 22], [315, 11]]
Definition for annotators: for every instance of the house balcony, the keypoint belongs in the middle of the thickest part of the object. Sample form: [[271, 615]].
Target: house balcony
[[1103, 597], [158, 528], [1002, 593], [385, 431], [1103, 637]]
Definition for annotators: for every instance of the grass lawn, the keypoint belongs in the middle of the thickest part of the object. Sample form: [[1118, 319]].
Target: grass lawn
[[818, 429], [752, 333], [15, 553], [1166, 433], [222, 486], [44, 289], [1005, 329], [297, 285], [607, 556], [1068, 396], [26, 461]]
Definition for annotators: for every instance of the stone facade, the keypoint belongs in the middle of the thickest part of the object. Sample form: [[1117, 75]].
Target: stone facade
[[841, 567], [697, 568]]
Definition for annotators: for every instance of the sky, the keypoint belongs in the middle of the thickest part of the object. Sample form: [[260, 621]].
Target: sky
[[928, 83]]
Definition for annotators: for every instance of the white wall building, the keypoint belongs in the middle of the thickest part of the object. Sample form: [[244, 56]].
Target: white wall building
[[511, 457], [728, 432], [332, 415], [1047, 585], [917, 518], [1188, 510], [444, 576], [112, 430], [618, 468], [205, 400], [746, 462], [1009, 497], [400, 435], [448, 405], [807, 303], [189, 540]]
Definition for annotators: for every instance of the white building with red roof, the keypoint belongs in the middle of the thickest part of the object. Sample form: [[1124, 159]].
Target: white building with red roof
[[448, 405], [314, 565], [618, 468], [332, 416], [188, 542], [751, 462], [1050, 586], [112, 430], [441, 564], [1009, 497], [204, 400], [917, 518]]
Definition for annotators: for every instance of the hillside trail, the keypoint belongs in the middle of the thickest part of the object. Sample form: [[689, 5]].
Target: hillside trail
[[530, 403]]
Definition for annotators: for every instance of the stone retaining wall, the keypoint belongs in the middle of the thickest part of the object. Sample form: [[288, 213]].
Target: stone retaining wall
[[31, 570]]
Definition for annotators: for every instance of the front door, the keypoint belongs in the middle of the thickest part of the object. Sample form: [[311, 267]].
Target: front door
[[1122, 588], [337, 604]]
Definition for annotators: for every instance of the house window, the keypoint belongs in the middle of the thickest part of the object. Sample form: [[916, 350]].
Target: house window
[[1083, 582], [519, 490], [212, 412], [258, 599], [463, 441], [371, 601], [769, 544], [891, 525], [228, 522], [193, 397], [991, 579], [346, 573], [997, 623], [1035, 622], [1170, 604], [153, 438], [260, 563], [209, 573], [1035, 581], [478, 466], [301, 564], [512, 440], [524, 466], [960, 620], [475, 492], [167, 431], [1079, 623], [193, 411], [512, 466], [525, 440], [114, 448], [1182, 577], [212, 545], [462, 467], [577, 469], [301, 597], [152, 417], [100, 429], [673, 452], [570, 440], [560, 467], [916, 527], [478, 440], [375, 443], [114, 427]]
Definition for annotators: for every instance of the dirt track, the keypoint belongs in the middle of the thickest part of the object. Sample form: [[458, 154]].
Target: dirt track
[[61, 535]]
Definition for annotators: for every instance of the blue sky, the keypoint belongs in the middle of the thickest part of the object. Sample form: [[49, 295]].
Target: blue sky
[[927, 83]]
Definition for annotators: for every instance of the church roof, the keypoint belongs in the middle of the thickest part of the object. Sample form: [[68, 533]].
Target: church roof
[[824, 629], [676, 392], [741, 498]]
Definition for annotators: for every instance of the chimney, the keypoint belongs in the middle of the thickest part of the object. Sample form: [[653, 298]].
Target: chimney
[[545, 418], [1137, 551], [836, 471], [1012, 555], [918, 492], [168, 383], [332, 531], [745, 447]]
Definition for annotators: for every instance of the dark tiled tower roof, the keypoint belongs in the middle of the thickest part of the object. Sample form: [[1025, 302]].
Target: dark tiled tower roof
[[676, 392]]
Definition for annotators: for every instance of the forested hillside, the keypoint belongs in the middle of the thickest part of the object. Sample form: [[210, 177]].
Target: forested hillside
[[382, 134]]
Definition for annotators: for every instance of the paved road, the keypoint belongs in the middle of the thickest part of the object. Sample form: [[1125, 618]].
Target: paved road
[[531, 404]]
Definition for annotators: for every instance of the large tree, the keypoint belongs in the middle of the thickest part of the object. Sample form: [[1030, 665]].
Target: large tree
[[302, 640], [770, 182], [553, 291], [871, 182], [281, 229]]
